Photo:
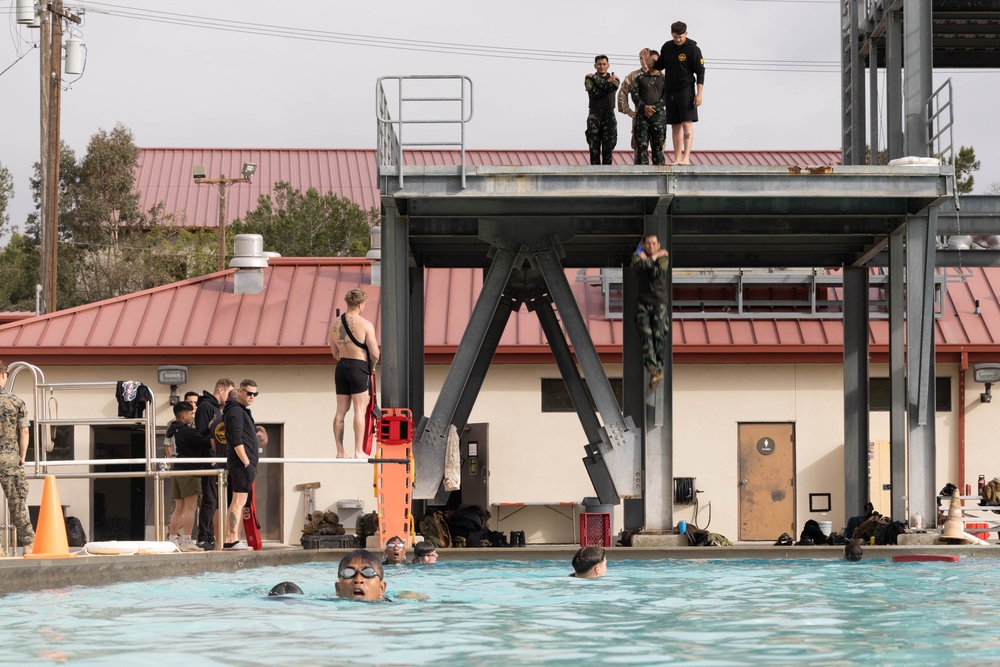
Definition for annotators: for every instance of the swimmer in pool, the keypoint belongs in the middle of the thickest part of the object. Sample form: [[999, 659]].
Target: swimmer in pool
[[285, 588], [360, 577], [590, 563], [852, 551]]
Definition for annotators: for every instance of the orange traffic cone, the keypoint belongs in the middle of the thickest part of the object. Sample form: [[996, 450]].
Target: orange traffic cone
[[50, 538]]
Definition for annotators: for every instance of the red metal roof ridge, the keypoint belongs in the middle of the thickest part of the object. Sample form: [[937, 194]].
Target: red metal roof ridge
[[318, 261]]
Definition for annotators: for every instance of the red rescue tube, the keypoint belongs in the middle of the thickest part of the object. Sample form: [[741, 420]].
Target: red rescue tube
[[924, 558]]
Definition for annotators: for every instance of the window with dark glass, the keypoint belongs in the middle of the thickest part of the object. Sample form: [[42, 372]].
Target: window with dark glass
[[555, 395], [62, 444], [879, 399]]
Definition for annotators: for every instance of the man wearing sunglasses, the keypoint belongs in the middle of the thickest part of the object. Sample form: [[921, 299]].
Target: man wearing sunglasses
[[360, 577], [241, 462]]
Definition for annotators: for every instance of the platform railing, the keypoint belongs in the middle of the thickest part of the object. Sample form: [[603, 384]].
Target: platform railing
[[411, 111]]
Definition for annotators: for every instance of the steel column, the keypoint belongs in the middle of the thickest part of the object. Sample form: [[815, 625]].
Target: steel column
[[894, 85], [658, 453], [855, 389], [395, 312], [918, 76], [897, 374], [429, 449], [920, 394], [416, 340], [633, 385]]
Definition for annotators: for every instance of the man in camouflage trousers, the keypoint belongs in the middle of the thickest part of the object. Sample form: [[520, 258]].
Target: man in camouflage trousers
[[13, 448], [650, 114], [624, 95], [652, 318], [602, 126]]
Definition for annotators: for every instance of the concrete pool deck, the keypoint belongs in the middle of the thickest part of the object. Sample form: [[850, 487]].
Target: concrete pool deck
[[19, 574]]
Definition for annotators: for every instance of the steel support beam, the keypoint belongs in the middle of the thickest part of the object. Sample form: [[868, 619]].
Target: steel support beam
[[633, 385], [600, 477], [657, 429], [918, 76], [416, 343], [481, 365], [920, 394], [894, 85], [855, 389], [897, 374], [429, 449], [619, 448], [395, 308]]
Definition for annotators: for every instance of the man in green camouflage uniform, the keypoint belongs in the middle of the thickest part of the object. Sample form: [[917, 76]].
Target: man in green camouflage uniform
[[650, 115], [602, 126], [13, 448], [652, 318]]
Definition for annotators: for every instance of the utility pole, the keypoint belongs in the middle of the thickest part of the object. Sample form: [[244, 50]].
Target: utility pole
[[224, 185], [51, 91]]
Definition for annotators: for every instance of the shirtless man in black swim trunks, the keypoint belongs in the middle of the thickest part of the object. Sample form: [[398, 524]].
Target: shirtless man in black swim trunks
[[353, 370]]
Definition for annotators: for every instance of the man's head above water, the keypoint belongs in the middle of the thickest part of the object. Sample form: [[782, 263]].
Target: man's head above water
[[395, 550], [360, 577]]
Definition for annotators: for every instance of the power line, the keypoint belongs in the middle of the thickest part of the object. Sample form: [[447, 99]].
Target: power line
[[15, 62], [424, 46]]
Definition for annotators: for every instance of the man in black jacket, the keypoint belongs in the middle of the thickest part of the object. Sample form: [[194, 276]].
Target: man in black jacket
[[190, 444], [241, 462], [208, 410], [684, 70]]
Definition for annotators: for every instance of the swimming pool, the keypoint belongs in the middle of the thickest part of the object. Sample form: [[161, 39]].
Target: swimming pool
[[527, 613]]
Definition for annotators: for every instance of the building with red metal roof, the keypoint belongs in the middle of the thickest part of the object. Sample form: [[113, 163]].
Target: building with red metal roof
[[763, 364]]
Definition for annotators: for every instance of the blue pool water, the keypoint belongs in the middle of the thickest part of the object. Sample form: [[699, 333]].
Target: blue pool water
[[512, 613]]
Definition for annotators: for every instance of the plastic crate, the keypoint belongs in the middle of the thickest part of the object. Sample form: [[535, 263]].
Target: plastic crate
[[595, 529]]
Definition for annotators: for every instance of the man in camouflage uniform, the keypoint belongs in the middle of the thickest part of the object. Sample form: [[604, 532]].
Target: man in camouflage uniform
[[653, 318], [650, 115], [624, 92], [602, 126], [13, 448]]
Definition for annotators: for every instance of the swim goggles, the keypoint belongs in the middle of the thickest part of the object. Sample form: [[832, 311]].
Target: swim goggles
[[366, 572]]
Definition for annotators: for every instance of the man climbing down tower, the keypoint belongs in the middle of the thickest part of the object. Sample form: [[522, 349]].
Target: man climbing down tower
[[652, 317]]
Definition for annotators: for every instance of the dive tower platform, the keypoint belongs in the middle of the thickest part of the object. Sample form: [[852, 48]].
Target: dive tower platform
[[524, 225]]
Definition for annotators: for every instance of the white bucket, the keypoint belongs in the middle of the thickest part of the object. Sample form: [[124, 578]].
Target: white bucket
[[826, 527]]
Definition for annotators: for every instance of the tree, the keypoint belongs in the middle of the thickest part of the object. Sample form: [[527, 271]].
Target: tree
[[6, 194], [309, 225], [108, 246], [965, 163], [18, 273]]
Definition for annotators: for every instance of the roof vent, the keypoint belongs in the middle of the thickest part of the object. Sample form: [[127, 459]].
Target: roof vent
[[249, 261], [248, 252]]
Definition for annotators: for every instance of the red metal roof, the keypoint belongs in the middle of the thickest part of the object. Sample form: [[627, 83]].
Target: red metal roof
[[165, 174], [202, 321]]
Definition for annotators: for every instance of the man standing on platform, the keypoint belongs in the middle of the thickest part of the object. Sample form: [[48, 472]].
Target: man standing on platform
[[353, 345], [684, 70], [602, 126], [623, 94], [13, 449]]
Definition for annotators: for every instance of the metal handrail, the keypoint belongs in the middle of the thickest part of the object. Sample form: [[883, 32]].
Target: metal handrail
[[152, 464], [390, 132]]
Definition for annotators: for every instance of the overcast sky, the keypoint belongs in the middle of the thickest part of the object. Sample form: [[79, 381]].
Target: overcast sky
[[255, 74]]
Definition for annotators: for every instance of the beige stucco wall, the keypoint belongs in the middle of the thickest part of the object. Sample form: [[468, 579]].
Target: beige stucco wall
[[535, 457]]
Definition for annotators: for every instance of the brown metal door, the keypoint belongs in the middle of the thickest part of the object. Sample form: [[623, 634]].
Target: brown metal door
[[767, 481]]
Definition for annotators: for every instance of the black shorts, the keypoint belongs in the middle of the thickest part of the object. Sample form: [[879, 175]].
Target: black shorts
[[241, 478], [352, 376], [680, 106]]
